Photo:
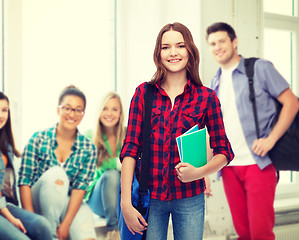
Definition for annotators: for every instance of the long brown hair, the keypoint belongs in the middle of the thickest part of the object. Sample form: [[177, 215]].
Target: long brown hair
[[103, 154], [6, 135], [193, 62]]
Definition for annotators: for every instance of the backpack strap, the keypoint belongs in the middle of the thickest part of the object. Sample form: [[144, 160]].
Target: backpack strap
[[146, 146], [249, 66]]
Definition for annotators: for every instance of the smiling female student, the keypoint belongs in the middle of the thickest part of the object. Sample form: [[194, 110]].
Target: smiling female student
[[180, 102], [108, 137], [15, 222], [57, 165]]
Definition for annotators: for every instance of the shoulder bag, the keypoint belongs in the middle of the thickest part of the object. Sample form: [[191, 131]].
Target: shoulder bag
[[285, 153], [140, 193]]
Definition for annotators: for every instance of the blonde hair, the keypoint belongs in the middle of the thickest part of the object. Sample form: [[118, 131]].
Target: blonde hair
[[98, 139]]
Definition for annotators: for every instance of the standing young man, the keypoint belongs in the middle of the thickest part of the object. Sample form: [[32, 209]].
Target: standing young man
[[250, 180]]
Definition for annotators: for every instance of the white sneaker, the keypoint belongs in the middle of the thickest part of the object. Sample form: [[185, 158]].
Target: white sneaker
[[113, 235]]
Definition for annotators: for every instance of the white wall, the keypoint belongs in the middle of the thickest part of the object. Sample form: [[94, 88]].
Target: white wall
[[138, 24], [244, 16], [12, 30], [52, 44]]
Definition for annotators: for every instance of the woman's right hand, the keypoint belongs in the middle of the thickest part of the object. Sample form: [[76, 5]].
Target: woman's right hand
[[208, 191], [134, 220], [18, 224], [15, 221]]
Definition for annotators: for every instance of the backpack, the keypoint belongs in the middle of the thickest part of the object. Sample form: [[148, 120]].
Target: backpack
[[285, 153]]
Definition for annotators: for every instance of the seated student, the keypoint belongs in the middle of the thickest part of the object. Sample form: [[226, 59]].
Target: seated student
[[108, 137], [57, 165], [15, 222]]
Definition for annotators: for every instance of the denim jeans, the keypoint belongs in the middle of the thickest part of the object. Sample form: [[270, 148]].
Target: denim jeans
[[37, 227], [51, 199], [187, 216], [103, 200]]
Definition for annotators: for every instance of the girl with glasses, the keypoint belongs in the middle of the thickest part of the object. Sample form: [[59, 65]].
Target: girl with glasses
[[57, 165]]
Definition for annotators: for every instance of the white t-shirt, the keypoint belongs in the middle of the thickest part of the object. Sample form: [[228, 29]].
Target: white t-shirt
[[231, 120]]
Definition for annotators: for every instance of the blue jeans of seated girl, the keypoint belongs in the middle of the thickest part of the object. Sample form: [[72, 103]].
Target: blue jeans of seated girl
[[37, 227], [187, 216], [50, 199], [103, 200]]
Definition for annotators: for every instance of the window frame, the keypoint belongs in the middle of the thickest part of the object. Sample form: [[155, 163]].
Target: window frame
[[285, 191], [2, 46]]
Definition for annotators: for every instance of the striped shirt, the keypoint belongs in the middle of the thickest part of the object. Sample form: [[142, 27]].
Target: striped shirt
[[39, 155], [196, 105]]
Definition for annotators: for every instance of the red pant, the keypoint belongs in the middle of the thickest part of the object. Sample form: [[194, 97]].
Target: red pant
[[250, 194]]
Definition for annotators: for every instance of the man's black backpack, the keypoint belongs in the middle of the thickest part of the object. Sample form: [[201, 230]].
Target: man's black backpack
[[285, 153]]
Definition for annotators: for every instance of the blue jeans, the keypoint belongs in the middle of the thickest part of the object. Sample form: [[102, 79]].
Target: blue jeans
[[187, 218], [37, 227], [51, 200], [103, 200]]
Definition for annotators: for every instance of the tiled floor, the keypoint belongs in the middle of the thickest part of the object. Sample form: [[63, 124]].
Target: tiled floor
[[101, 233], [101, 229]]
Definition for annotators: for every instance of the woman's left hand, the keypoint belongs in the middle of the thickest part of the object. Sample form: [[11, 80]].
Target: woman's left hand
[[208, 191], [18, 224], [187, 173], [62, 232]]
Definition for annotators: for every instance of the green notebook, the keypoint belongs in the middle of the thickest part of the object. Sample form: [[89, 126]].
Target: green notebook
[[192, 147]]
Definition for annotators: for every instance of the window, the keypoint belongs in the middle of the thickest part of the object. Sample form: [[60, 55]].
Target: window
[[281, 54], [286, 7], [281, 31]]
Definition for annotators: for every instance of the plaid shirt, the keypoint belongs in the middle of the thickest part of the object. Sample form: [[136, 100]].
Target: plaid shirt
[[196, 105], [39, 155]]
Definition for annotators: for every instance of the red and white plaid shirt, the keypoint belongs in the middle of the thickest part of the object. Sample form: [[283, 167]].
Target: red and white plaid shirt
[[196, 105]]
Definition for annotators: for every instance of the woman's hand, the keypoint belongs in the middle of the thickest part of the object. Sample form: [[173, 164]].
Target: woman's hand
[[15, 221], [208, 191], [18, 224], [62, 231], [187, 173], [134, 220]]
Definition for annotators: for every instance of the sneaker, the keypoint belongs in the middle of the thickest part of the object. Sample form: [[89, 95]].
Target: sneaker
[[113, 235]]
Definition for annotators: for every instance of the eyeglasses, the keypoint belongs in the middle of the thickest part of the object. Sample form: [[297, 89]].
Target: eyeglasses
[[68, 110]]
